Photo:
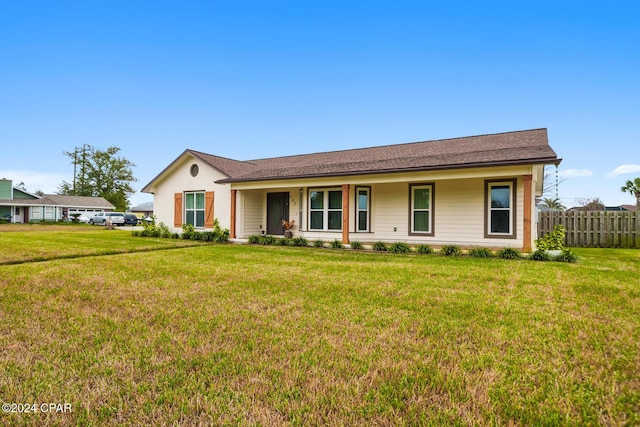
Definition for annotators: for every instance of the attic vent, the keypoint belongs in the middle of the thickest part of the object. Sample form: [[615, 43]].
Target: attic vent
[[194, 170]]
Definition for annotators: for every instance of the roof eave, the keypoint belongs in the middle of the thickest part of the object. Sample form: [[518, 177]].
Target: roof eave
[[546, 161]]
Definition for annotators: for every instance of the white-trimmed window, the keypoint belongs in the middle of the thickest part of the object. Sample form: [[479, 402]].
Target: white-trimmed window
[[36, 212], [363, 207], [325, 209], [49, 212], [500, 202], [194, 209], [421, 209]]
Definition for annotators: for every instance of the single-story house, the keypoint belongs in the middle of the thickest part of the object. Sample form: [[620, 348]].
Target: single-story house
[[21, 206], [469, 191]]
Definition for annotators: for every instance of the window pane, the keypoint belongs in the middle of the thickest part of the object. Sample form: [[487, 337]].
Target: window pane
[[362, 200], [500, 222], [316, 220], [317, 199], [335, 199], [189, 218], [189, 201], [362, 221], [199, 219], [199, 200], [335, 220], [421, 221], [500, 196], [421, 198]]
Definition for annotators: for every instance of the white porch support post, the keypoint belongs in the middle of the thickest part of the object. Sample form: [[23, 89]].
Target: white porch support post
[[528, 212], [232, 231]]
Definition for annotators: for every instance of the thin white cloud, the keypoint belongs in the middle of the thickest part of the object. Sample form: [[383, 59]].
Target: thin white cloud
[[573, 173], [33, 181], [624, 169]]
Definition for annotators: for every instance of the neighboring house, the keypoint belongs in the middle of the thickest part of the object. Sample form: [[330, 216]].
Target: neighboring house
[[22, 206], [471, 191], [143, 210], [627, 208]]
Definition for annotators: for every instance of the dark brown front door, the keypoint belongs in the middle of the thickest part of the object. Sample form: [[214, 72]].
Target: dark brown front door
[[277, 210]]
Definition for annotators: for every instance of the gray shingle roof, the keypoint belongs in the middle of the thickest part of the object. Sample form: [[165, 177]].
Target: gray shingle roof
[[520, 147], [61, 200]]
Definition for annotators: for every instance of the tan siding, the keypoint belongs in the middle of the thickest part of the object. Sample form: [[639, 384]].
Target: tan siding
[[253, 203]]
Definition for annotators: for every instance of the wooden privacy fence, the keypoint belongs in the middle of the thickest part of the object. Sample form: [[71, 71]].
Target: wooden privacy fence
[[597, 229]]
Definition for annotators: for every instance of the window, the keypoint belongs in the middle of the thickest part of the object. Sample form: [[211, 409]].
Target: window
[[500, 202], [421, 212], [325, 209], [194, 209], [363, 202], [194, 170], [36, 212]]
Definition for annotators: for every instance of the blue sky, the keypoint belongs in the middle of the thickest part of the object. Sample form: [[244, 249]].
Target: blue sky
[[260, 79]]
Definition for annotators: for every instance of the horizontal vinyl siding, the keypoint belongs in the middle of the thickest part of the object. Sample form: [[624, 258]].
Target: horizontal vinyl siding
[[254, 212]]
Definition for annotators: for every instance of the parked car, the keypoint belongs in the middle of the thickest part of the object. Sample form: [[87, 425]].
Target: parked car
[[101, 218], [130, 219], [83, 219]]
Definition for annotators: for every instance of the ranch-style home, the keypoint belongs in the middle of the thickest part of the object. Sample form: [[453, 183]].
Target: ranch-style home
[[18, 205], [469, 191]]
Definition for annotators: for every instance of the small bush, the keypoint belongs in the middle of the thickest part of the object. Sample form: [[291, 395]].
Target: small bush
[[553, 240], [566, 256], [450, 250], [188, 231], [267, 240], [318, 243], [284, 242], [380, 246], [337, 244], [299, 241], [424, 249], [508, 253], [399, 248], [254, 239], [540, 255], [480, 253], [175, 236], [357, 245]]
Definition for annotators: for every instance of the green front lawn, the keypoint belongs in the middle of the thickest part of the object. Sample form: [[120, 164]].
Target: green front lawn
[[254, 335]]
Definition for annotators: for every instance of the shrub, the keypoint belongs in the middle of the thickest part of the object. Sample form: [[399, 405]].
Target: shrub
[[380, 246], [480, 253], [508, 253], [566, 256], [267, 240], [254, 239], [450, 250], [188, 231], [399, 248], [424, 249], [318, 243], [337, 244], [540, 255], [299, 241], [356, 245], [553, 240], [284, 242]]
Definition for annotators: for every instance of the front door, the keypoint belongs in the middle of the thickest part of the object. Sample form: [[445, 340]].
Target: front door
[[277, 210]]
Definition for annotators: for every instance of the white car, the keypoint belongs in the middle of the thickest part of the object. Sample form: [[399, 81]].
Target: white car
[[101, 218]]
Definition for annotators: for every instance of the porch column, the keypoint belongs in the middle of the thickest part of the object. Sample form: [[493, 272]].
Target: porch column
[[232, 231], [527, 214], [345, 213]]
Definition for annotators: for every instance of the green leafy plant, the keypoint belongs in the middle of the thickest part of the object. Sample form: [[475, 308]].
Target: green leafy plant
[[337, 244], [380, 246], [399, 248], [480, 253], [255, 239], [318, 243], [357, 245], [540, 255], [267, 240], [553, 240], [285, 241], [188, 232], [566, 256], [299, 241], [424, 249], [450, 250], [508, 253]]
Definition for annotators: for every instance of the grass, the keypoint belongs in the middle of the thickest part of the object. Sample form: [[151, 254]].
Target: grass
[[253, 335]]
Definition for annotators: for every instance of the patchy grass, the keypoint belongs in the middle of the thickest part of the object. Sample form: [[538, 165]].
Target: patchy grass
[[33, 242], [250, 335]]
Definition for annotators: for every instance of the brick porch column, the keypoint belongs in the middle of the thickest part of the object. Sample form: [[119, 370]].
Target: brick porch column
[[345, 213]]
